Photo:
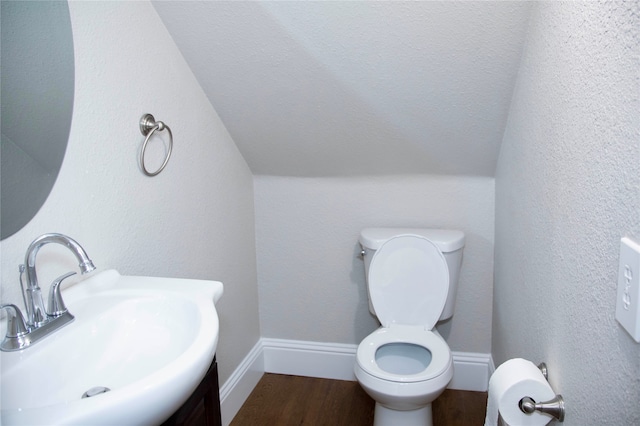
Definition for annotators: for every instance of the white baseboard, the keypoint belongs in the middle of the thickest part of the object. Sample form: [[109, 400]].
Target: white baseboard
[[471, 371], [311, 359], [235, 391], [329, 361]]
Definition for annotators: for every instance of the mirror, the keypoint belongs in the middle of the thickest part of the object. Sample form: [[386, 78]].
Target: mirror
[[37, 84]]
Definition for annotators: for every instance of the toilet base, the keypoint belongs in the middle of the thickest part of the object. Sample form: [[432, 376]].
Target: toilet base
[[384, 416]]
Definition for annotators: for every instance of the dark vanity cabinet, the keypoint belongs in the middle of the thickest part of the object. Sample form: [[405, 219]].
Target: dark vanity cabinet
[[203, 406]]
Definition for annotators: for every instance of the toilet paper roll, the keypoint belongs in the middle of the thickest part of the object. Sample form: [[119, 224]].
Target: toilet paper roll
[[512, 381]]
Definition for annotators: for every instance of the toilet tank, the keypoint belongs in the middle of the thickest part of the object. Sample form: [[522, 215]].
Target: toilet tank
[[449, 241]]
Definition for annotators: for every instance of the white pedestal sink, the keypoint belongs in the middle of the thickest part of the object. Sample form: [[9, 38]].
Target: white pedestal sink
[[149, 340]]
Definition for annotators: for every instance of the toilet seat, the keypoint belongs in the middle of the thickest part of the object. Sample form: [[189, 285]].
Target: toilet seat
[[441, 358], [408, 281]]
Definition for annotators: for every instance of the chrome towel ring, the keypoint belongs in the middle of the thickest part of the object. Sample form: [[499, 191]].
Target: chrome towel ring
[[148, 125]]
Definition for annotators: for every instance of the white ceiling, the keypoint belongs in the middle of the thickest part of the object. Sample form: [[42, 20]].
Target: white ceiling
[[356, 88]]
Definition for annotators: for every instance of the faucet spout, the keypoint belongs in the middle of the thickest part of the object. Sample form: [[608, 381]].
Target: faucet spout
[[36, 313]]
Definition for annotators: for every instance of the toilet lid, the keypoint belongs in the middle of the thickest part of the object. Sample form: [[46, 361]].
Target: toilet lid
[[408, 282]]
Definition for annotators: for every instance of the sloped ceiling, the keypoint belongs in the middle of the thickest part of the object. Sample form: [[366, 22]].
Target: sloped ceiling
[[356, 88]]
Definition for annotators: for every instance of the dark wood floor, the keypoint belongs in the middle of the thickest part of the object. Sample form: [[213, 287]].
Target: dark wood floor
[[292, 400]]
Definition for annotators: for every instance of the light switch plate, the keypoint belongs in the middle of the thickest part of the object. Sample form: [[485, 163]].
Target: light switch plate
[[628, 295]]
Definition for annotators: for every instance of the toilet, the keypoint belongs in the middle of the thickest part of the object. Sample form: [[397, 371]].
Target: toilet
[[412, 280]]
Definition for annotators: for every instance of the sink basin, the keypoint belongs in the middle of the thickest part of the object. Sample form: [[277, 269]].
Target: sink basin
[[149, 340]]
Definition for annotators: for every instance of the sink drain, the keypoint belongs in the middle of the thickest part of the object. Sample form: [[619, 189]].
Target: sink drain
[[95, 391]]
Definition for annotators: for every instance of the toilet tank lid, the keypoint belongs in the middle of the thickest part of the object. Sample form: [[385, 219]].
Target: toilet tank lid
[[447, 240]]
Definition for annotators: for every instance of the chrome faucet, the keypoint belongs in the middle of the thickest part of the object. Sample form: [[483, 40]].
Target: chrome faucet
[[36, 314], [39, 323]]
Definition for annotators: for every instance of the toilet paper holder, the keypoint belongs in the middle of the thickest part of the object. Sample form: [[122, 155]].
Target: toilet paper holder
[[553, 407]]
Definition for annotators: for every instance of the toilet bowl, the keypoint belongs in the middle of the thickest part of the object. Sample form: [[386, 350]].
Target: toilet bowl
[[405, 364], [404, 369]]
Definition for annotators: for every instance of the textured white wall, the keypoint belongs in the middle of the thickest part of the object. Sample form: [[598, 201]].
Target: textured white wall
[[194, 220], [356, 88], [567, 190], [311, 280]]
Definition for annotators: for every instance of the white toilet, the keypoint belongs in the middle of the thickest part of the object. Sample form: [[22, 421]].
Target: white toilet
[[412, 279]]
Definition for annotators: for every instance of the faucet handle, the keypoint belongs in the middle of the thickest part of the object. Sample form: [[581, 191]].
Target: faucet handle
[[16, 325], [56, 306]]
